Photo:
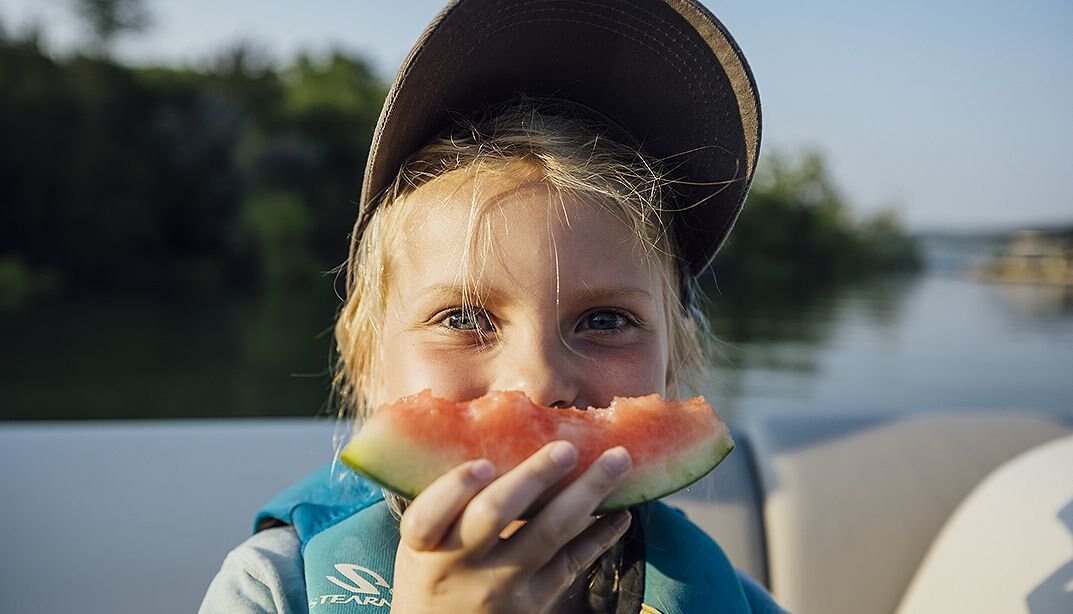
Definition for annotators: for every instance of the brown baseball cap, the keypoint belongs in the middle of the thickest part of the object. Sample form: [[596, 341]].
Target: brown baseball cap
[[666, 71]]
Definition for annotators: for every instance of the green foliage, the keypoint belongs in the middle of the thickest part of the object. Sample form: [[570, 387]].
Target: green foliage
[[330, 108], [19, 285], [228, 177], [108, 178], [337, 84], [241, 175], [279, 225], [107, 19], [797, 231]]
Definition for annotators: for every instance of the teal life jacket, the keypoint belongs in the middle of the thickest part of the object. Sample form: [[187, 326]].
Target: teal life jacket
[[349, 538]]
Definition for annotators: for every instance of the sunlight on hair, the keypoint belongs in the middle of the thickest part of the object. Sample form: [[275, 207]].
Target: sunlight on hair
[[526, 141]]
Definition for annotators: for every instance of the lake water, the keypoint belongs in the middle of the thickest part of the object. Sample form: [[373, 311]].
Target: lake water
[[935, 341]]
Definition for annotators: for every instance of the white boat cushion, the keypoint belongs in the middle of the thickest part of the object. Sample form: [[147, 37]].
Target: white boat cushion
[[1009, 546], [852, 505]]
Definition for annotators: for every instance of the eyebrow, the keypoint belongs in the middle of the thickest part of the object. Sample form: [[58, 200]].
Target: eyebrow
[[615, 292], [449, 290]]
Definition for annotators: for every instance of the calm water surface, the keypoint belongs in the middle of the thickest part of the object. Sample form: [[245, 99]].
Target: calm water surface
[[934, 341]]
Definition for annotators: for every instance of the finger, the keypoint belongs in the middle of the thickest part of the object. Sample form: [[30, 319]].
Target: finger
[[507, 498], [430, 516], [579, 555], [567, 515]]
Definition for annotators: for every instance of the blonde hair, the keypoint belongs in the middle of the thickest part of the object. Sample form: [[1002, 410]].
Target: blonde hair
[[569, 150]]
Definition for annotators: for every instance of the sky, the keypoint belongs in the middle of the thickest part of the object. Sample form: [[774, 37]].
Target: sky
[[956, 113]]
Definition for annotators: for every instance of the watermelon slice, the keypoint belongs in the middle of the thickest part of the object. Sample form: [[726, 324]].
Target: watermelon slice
[[405, 446]]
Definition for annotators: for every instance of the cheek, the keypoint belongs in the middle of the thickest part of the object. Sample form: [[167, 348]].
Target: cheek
[[628, 374], [409, 369]]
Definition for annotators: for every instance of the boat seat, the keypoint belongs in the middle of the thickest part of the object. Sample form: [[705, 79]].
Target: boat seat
[[836, 514], [1024, 511]]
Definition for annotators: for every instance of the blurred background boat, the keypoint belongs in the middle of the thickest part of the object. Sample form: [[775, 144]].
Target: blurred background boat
[[1032, 257]]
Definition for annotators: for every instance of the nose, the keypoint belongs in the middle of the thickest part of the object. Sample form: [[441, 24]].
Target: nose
[[544, 371]]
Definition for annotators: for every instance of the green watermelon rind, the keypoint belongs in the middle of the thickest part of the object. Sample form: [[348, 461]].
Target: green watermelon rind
[[640, 488]]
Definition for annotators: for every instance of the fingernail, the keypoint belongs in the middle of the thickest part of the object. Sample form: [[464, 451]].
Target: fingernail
[[616, 460], [563, 453], [482, 469], [621, 520]]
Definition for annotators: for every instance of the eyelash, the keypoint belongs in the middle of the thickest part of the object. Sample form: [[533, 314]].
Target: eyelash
[[627, 318], [478, 315], [483, 323]]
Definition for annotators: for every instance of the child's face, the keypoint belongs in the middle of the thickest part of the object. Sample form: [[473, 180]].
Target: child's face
[[563, 308]]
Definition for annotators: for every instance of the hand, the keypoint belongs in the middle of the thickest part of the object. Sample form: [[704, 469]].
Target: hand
[[451, 557]]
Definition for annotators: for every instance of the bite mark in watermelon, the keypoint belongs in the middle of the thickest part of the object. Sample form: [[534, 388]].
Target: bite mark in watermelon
[[406, 445]]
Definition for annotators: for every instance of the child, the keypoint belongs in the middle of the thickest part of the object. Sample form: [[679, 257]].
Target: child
[[532, 245]]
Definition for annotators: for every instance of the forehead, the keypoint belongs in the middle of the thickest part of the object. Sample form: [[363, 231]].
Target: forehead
[[510, 225]]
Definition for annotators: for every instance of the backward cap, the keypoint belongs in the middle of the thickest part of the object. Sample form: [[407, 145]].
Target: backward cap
[[666, 71]]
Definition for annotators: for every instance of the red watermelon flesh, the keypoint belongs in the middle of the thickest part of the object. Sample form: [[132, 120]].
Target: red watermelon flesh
[[405, 446]]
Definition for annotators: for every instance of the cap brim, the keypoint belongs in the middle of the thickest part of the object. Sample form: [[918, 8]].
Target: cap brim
[[664, 70]]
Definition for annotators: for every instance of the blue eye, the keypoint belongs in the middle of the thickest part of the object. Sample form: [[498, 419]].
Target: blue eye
[[468, 320], [605, 320]]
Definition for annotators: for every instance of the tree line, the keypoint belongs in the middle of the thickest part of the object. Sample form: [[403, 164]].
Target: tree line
[[240, 175]]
